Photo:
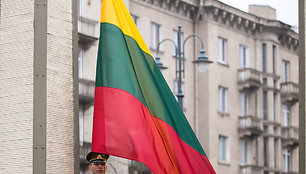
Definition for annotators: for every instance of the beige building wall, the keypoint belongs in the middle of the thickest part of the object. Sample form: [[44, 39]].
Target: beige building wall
[[37, 94], [60, 88], [266, 12], [16, 92]]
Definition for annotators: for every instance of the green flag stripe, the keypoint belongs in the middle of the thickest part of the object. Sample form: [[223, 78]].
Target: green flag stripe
[[122, 64]]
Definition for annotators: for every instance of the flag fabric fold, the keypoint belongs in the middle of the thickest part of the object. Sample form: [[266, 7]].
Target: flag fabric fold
[[136, 115]]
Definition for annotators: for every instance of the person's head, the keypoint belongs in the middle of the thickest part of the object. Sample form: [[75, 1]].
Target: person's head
[[97, 162]]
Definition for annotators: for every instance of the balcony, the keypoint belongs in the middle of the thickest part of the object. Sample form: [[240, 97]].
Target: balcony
[[86, 90], [249, 126], [84, 150], [290, 172], [250, 168], [290, 136], [289, 92], [88, 29], [248, 78]]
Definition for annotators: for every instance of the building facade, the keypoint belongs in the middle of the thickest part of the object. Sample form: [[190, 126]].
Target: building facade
[[243, 108], [38, 93]]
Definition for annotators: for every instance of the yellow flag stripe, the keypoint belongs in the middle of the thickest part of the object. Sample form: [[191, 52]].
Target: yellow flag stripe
[[115, 12]]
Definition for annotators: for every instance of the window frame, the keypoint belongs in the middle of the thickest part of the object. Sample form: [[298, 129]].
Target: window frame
[[244, 104], [266, 151], [285, 70], [175, 39], [275, 104], [222, 95], [276, 147], [222, 50], [286, 110], [136, 20], [265, 103], [264, 57], [156, 35], [287, 160], [244, 151], [244, 56], [223, 149], [274, 54], [81, 125], [80, 62]]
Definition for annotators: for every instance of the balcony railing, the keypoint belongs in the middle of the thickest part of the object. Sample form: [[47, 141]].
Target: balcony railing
[[290, 136], [86, 90], [290, 172], [88, 29], [289, 92], [84, 150], [248, 78], [250, 126], [250, 168]]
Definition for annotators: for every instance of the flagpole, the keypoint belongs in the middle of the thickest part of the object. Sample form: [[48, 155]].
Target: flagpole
[[180, 93]]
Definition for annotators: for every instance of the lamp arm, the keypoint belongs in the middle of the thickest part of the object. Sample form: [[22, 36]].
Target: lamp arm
[[193, 35], [157, 51]]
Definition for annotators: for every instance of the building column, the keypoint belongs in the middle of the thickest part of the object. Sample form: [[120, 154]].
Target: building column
[[302, 162]]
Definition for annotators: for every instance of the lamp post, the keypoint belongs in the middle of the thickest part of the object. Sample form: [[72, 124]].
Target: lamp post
[[179, 55]]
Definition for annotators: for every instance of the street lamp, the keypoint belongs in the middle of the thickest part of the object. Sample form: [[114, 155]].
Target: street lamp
[[202, 60]]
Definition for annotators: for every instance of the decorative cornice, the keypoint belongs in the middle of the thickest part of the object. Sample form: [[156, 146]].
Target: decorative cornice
[[230, 17], [184, 8], [249, 23], [232, 20], [289, 40]]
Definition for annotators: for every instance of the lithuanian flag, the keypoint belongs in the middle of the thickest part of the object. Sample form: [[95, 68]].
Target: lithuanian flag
[[135, 114]]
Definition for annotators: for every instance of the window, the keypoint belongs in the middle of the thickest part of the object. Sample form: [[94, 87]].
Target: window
[[222, 50], [244, 103], [244, 57], [136, 20], [265, 129], [266, 152], [155, 35], [286, 116], [222, 99], [175, 39], [274, 58], [80, 62], [244, 151], [264, 57], [80, 4], [285, 71], [265, 105], [274, 83], [223, 149], [275, 153], [81, 125], [275, 106], [287, 160], [136, 167], [265, 82]]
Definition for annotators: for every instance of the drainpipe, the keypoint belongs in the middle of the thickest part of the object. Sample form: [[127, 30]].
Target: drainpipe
[[195, 21]]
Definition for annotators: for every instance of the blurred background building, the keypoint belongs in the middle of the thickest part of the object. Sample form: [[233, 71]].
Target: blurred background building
[[243, 108]]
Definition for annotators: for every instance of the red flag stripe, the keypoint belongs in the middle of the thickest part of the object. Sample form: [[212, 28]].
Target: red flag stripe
[[135, 134]]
